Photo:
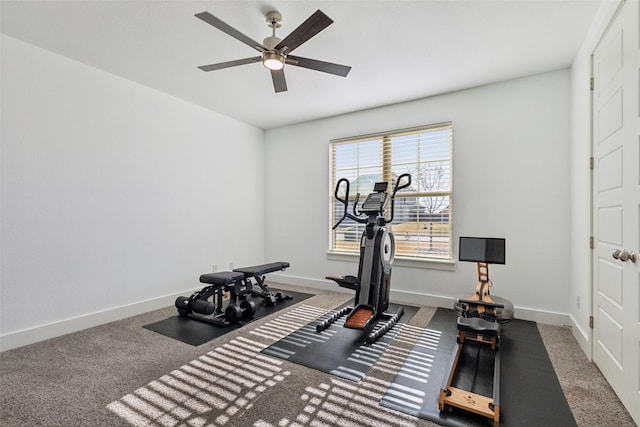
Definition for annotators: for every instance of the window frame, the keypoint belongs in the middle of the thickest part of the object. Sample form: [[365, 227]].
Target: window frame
[[427, 261]]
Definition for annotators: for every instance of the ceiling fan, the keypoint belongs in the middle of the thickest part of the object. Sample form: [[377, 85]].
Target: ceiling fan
[[275, 52]]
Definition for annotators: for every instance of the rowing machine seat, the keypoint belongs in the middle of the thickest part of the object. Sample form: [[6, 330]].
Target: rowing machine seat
[[478, 325]]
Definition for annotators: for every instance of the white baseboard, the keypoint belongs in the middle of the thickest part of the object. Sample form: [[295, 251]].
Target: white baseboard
[[398, 295], [285, 279], [40, 333], [541, 316]]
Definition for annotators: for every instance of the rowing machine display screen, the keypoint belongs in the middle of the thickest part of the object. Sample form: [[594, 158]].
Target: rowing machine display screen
[[488, 250]]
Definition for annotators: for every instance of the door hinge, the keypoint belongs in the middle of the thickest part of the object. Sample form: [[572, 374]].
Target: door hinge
[[591, 242], [591, 161], [591, 322], [592, 84]]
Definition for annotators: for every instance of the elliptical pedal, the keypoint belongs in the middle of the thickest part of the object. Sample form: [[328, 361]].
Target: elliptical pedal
[[360, 317]]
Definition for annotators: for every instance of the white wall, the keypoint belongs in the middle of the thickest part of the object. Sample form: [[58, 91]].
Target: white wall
[[511, 179], [115, 197], [580, 181]]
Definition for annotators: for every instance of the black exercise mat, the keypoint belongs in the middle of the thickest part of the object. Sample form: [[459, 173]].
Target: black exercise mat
[[337, 350], [196, 332], [530, 393]]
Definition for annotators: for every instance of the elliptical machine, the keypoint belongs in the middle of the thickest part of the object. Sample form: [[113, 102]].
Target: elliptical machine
[[377, 251]]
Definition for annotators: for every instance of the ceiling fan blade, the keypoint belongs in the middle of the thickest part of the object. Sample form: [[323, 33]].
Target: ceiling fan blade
[[228, 64], [314, 64], [222, 26], [309, 28], [279, 82]]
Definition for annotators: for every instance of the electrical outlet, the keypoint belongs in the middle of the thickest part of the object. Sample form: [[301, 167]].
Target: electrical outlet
[[578, 301], [231, 266], [215, 268]]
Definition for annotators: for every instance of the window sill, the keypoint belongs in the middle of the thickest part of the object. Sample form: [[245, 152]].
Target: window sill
[[432, 264]]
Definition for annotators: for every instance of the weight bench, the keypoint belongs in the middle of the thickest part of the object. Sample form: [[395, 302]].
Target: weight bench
[[234, 285], [257, 272]]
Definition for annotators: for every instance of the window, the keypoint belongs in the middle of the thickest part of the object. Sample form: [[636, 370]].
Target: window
[[423, 212]]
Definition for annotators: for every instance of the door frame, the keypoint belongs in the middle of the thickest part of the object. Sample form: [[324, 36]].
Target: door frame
[[592, 253], [613, 14]]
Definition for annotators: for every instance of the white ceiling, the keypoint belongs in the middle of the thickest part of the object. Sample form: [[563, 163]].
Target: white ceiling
[[399, 50]]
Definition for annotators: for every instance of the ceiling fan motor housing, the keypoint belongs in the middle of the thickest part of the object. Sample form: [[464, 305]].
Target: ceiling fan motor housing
[[271, 42]]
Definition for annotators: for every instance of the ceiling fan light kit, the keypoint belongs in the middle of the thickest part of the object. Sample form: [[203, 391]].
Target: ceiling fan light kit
[[275, 51], [273, 60]]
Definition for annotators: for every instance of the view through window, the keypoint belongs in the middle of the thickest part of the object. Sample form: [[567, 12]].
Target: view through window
[[423, 211]]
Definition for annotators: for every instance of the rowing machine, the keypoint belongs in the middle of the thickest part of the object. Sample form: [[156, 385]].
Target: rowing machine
[[479, 326]]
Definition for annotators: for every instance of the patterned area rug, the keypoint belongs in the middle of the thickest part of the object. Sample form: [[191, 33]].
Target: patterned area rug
[[237, 384], [530, 393], [337, 350]]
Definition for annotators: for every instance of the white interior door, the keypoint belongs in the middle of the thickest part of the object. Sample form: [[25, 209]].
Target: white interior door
[[616, 206]]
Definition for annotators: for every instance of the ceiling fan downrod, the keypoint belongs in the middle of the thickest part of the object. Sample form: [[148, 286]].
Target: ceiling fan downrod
[[274, 20], [273, 59]]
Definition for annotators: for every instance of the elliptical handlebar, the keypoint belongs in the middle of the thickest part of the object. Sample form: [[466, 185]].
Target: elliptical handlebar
[[345, 202], [355, 206], [403, 186], [397, 188], [355, 215]]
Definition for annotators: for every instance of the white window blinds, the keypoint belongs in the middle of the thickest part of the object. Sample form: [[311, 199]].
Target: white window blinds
[[423, 212]]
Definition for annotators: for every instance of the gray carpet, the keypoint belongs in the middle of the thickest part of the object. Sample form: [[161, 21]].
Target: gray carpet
[[121, 374]]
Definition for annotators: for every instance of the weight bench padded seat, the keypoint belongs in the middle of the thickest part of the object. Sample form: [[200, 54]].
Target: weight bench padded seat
[[259, 270], [222, 278], [478, 325]]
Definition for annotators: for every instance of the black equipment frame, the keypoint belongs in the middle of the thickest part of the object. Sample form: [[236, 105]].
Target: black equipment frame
[[377, 249], [208, 304]]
